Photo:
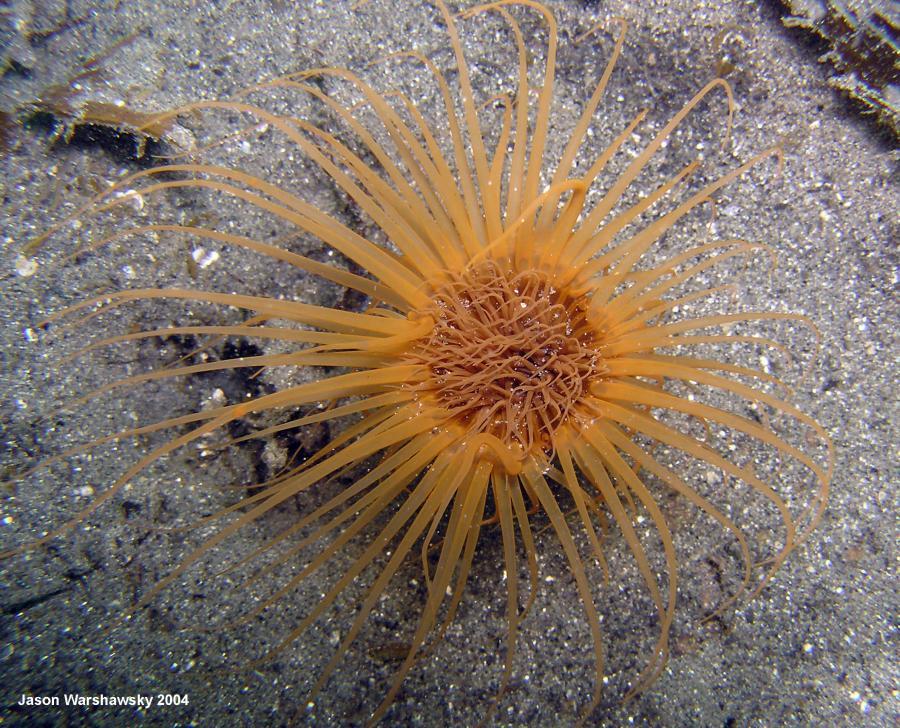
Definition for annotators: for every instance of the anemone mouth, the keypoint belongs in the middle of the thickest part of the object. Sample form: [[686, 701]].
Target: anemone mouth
[[511, 355]]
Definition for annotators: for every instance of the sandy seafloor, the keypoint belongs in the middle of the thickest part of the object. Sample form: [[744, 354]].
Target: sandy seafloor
[[817, 647]]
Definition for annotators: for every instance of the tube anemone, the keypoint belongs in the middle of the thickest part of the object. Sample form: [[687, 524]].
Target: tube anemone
[[524, 358]]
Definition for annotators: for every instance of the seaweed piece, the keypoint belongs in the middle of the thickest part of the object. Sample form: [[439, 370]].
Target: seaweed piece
[[67, 110], [863, 49]]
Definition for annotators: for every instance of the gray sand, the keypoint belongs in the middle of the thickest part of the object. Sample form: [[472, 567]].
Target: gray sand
[[814, 649]]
